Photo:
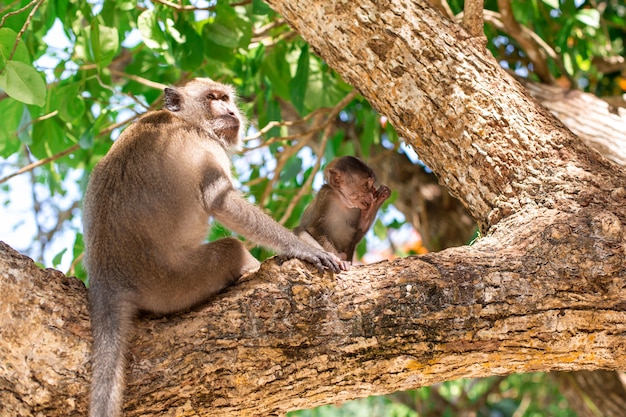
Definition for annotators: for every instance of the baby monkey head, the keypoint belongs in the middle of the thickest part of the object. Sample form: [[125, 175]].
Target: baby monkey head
[[353, 180], [211, 105]]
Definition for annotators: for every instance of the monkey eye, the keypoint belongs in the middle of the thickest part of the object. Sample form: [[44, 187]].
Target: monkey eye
[[211, 96]]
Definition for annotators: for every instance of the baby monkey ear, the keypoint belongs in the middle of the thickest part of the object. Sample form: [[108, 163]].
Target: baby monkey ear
[[173, 99]]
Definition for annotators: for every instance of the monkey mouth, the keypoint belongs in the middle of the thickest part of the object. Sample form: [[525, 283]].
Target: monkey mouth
[[227, 127]]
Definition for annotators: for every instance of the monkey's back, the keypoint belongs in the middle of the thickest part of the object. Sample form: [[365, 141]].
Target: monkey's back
[[145, 194]]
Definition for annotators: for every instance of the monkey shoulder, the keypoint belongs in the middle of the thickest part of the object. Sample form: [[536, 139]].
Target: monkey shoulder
[[162, 136]]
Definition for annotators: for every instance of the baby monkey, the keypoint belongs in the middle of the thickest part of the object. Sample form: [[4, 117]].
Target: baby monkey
[[344, 208]]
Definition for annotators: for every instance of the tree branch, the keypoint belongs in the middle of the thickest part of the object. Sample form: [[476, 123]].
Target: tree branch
[[536, 54], [473, 19]]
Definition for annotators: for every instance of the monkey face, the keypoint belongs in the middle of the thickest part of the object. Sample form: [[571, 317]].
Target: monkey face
[[358, 192], [212, 105]]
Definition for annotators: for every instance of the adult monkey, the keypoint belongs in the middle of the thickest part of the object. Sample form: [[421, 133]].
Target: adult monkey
[[146, 216]]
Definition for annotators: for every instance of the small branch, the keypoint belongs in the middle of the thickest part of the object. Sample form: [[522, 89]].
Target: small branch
[[182, 8], [140, 80], [526, 42], [39, 163], [15, 12], [36, 3], [473, 19], [262, 31]]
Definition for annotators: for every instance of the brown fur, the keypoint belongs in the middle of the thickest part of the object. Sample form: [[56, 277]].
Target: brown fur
[[344, 208], [146, 217]]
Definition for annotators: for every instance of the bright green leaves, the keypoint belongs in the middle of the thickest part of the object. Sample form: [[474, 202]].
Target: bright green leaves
[[7, 43], [12, 112], [104, 44], [151, 31], [300, 81], [189, 50], [227, 31], [18, 78], [97, 43], [22, 82]]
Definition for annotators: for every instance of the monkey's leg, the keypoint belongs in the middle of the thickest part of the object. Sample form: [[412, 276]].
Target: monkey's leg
[[201, 273], [111, 317]]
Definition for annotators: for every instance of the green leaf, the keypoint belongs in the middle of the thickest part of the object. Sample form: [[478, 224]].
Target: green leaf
[[277, 71], [190, 53], [104, 44], [150, 31], [299, 82], [380, 230], [69, 102], [291, 170], [568, 64], [22, 82], [11, 111], [58, 258], [590, 17], [259, 7], [552, 3], [7, 42], [224, 36], [48, 138]]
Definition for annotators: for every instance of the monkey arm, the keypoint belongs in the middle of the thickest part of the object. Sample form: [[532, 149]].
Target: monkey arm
[[368, 215], [231, 209]]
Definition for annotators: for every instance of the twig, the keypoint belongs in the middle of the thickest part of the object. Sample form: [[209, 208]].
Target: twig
[[473, 19], [532, 49], [182, 8], [15, 12], [26, 23], [140, 80], [263, 30], [68, 151]]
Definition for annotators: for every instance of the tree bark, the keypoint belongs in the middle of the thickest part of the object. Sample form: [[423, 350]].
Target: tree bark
[[596, 122], [543, 290]]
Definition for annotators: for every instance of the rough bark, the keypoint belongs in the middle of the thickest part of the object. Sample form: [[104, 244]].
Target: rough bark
[[594, 394], [596, 122], [543, 290]]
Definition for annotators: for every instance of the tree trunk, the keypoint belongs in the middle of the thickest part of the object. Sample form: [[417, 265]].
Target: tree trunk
[[543, 290]]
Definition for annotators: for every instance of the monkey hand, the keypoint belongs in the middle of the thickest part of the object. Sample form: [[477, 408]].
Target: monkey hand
[[318, 257], [382, 193]]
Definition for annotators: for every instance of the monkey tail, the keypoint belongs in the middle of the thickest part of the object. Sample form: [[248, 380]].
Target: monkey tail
[[111, 318]]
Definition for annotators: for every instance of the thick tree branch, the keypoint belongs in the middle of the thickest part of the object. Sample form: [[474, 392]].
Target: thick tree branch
[[288, 337], [597, 123], [473, 19]]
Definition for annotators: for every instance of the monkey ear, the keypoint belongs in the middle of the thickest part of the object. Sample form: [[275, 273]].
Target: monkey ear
[[173, 99], [335, 179]]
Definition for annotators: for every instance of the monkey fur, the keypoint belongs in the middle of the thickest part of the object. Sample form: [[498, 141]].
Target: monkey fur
[[146, 218], [344, 208]]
